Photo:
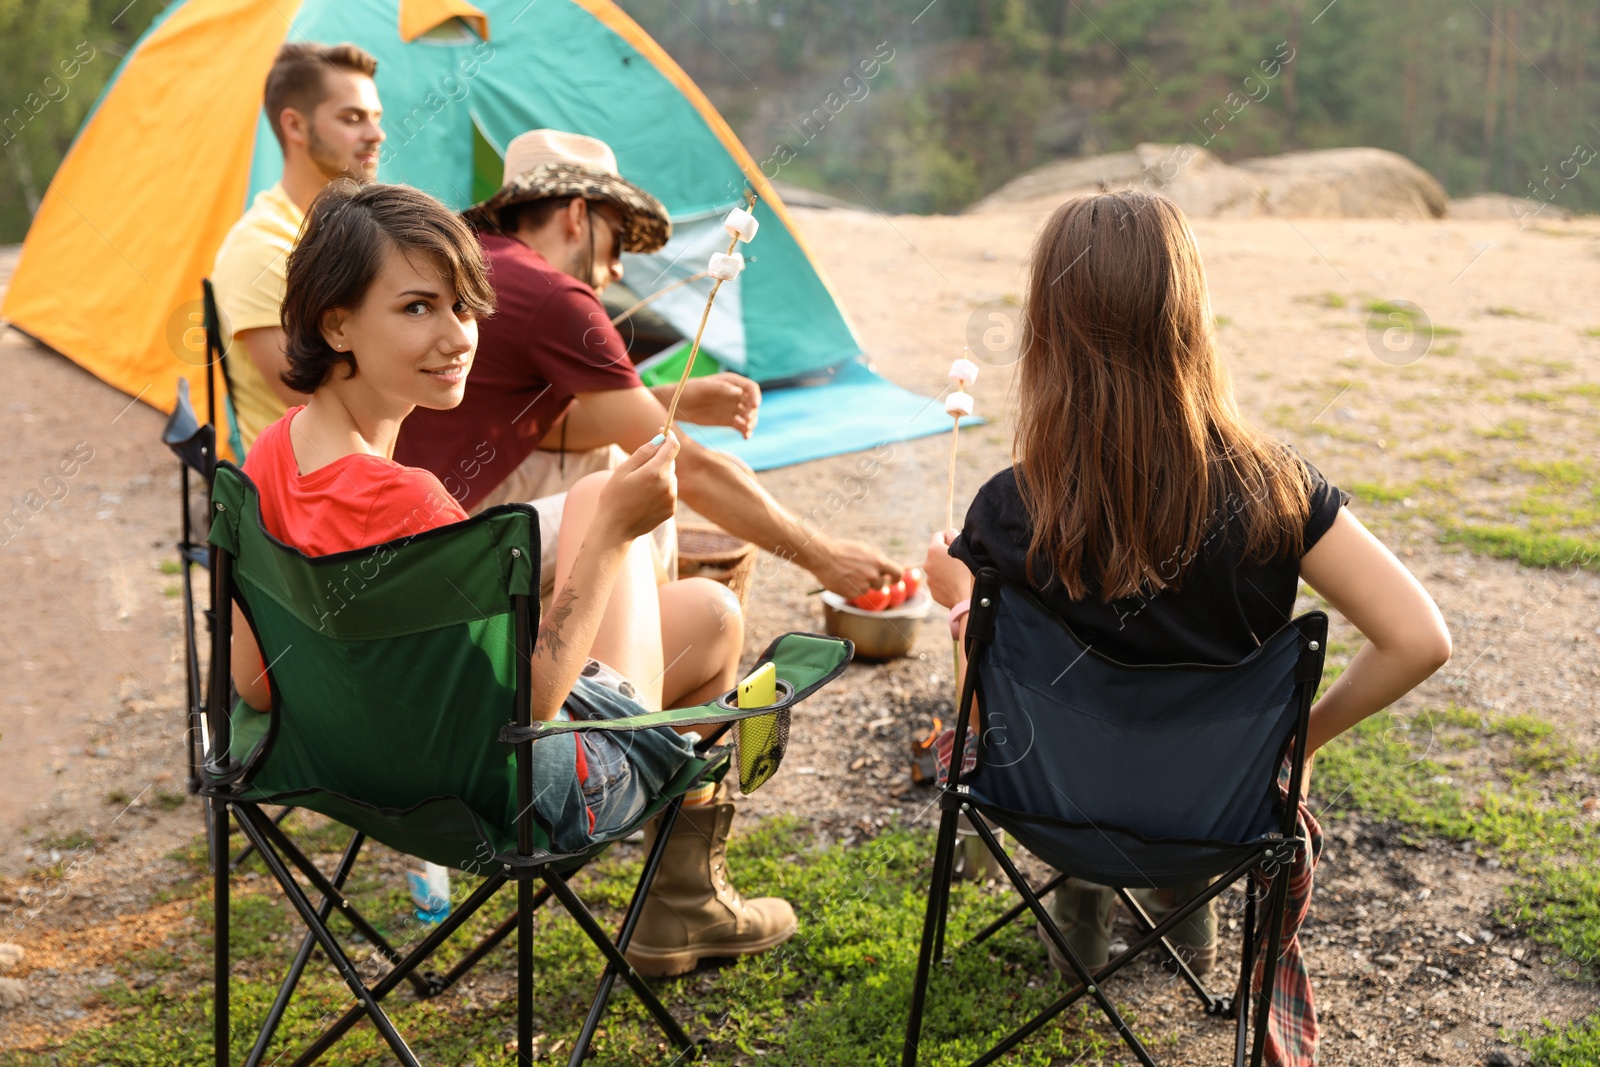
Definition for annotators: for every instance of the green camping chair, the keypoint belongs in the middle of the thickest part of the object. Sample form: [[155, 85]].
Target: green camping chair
[[400, 680]]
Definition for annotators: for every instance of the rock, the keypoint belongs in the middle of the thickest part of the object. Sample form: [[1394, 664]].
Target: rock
[[1498, 1058], [1499, 206], [1332, 183], [1348, 183]]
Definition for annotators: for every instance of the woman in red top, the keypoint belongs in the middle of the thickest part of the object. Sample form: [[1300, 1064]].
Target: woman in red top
[[384, 290]]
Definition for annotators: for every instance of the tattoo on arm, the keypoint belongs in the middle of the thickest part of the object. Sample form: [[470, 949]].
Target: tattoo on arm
[[550, 639]]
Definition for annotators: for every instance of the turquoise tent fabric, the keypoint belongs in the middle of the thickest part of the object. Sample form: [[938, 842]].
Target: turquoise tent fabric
[[855, 411], [554, 64]]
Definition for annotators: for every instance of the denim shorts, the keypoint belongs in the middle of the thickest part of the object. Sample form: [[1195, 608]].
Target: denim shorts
[[626, 770]]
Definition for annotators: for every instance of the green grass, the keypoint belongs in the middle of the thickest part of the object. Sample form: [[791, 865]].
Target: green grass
[[1527, 547], [1377, 493], [835, 995], [1382, 314], [68, 842], [1512, 313], [1508, 430], [1575, 1046], [1411, 771], [170, 566], [1417, 773]]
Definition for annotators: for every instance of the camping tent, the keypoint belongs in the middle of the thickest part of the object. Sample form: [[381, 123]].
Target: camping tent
[[178, 144]]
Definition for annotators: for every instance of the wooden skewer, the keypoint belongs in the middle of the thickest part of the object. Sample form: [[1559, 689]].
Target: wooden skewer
[[711, 298], [624, 316], [950, 498]]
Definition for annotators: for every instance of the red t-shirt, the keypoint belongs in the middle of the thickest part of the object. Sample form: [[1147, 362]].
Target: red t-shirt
[[548, 340], [354, 502]]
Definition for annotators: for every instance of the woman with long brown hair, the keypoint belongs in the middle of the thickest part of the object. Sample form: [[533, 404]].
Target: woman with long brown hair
[[1150, 516]]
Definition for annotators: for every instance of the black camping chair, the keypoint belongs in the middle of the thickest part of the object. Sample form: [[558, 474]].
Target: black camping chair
[[1128, 776], [195, 445]]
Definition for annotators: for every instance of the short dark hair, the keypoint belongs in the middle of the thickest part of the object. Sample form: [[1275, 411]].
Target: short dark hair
[[298, 77], [532, 214], [340, 252]]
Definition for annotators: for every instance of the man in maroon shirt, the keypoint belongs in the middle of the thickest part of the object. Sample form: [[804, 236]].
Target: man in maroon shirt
[[551, 396], [553, 390]]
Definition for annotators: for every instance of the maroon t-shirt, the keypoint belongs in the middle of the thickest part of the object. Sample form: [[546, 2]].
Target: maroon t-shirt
[[548, 340]]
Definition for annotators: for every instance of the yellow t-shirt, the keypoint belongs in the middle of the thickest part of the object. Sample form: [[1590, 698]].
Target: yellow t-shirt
[[249, 281]]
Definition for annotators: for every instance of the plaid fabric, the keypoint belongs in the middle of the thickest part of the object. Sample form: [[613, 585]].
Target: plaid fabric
[[1292, 1018]]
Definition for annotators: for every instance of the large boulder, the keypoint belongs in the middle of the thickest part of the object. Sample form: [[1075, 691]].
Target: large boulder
[[1500, 207], [1333, 183], [1345, 183], [1196, 180]]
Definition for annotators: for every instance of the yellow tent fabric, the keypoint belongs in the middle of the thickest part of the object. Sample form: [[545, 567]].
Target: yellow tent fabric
[[136, 323], [417, 17]]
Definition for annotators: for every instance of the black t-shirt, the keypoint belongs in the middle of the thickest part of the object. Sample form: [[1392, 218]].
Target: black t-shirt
[[1224, 609]]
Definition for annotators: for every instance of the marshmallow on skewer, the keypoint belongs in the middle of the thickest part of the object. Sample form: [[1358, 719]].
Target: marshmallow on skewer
[[725, 267], [958, 404], [741, 224], [963, 372]]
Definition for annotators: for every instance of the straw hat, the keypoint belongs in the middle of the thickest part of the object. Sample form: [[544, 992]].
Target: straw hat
[[550, 163]]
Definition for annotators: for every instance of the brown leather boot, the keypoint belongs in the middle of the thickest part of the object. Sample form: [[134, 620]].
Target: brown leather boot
[[693, 911]]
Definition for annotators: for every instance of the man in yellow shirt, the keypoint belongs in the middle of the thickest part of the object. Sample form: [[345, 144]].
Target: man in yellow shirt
[[323, 107]]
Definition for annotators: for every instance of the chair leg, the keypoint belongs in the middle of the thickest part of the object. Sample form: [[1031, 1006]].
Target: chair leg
[[615, 958], [219, 927], [490, 942], [938, 901], [1214, 1005], [947, 877], [524, 972], [1273, 917], [387, 984], [244, 853], [608, 977], [1084, 976], [320, 882], [280, 1004], [1015, 910], [1247, 956], [254, 823]]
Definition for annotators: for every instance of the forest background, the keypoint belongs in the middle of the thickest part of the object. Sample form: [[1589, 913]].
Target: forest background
[[908, 106]]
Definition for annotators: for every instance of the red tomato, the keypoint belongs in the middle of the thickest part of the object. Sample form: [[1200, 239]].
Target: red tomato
[[897, 594], [872, 600], [912, 581]]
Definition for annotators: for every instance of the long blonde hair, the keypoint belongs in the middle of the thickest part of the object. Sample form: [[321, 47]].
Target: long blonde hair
[[1130, 450]]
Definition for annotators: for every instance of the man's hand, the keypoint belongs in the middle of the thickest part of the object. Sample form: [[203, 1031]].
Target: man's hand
[[642, 493], [849, 568], [723, 399]]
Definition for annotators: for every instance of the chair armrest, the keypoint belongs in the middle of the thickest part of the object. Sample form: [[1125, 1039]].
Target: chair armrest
[[716, 712], [804, 662]]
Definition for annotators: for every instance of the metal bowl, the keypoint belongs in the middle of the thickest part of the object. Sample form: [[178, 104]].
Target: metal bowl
[[878, 635]]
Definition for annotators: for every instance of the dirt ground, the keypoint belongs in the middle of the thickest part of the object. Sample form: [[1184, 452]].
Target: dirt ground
[[1407, 962]]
